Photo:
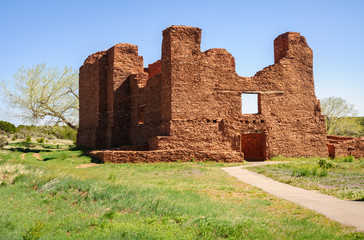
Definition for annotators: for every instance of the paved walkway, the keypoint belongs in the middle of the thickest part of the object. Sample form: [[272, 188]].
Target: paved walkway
[[342, 211]]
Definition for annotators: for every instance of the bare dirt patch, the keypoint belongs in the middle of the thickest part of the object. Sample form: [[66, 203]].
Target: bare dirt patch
[[37, 156], [87, 165], [22, 156]]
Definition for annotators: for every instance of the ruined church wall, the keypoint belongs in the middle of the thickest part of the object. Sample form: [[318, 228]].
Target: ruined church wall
[[198, 134], [89, 100], [192, 100], [105, 96], [192, 76], [145, 108], [340, 146], [296, 126], [205, 86], [192, 111], [123, 61]]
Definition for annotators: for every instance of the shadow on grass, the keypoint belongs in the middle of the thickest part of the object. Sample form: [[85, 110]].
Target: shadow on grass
[[95, 160], [28, 150], [48, 158], [83, 153]]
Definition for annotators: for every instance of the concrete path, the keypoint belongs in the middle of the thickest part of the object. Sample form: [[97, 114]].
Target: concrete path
[[342, 211]]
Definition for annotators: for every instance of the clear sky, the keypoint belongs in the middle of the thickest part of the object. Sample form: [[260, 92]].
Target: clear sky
[[65, 32]]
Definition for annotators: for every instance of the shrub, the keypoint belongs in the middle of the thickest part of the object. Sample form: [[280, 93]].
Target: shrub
[[36, 231], [310, 171], [322, 173], [324, 164], [3, 141], [349, 159], [301, 172], [7, 127], [28, 139], [49, 132], [63, 132], [40, 140]]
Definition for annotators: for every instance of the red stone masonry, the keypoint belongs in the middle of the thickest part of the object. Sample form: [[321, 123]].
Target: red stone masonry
[[345, 146], [188, 104]]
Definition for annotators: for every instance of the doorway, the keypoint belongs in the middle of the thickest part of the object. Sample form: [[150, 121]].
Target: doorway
[[253, 145]]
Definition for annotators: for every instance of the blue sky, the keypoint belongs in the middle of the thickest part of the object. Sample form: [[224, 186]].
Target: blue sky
[[65, 32]]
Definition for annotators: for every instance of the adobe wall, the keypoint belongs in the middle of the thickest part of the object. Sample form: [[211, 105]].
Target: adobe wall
[[145, 95], [191, 101], [180, 155], [340, 146], [105, 96], [89, 85], [204, 85]]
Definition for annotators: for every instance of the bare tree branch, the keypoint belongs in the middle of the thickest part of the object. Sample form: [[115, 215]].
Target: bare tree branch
[[45, 93]]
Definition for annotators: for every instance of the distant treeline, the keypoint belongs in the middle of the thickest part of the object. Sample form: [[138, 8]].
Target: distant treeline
[[22, 131], [361, 120]]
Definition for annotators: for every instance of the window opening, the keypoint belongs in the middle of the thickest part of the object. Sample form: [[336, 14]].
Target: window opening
[[250, 103], [141, 115]]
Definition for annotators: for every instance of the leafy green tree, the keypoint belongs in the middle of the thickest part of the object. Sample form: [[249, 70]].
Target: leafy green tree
[[340, 117], [45, 94], [7, 127]]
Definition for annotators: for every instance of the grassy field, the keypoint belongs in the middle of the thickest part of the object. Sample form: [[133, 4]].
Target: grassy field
[[48, 191], [341, 177]]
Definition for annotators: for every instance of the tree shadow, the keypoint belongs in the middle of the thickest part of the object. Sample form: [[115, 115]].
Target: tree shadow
[[95, 160], [48, 158], [84, 153], [27, 150]]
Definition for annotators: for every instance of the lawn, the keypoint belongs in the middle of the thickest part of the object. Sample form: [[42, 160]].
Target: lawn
[[44, 192], [340, 177]]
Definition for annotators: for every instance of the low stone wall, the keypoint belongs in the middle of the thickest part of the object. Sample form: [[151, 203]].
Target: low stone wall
[[345, 146], [120, 156]]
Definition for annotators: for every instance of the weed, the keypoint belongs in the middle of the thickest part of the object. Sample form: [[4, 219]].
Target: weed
[[36, 231], [324, 164], [3, 141], [349, 159], [111, 176]]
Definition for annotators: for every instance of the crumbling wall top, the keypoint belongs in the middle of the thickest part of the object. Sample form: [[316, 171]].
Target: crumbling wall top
[[289, 45]]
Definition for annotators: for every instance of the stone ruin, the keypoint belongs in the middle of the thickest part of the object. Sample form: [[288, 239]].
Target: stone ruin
[[188, 105]]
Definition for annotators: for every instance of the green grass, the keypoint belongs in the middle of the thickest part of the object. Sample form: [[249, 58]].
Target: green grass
[[341, 177], [52, 199]]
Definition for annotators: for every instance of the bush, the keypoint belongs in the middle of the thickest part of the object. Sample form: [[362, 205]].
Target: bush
[[349, 159], [49, 132], [301, 172], [28, 139], [7, 127], [36, 231], [324, 164], [3, 141], [40, 140], [309, 171]]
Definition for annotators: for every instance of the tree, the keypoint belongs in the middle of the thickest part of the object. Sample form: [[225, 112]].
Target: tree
[[7, 127], [340, 117], [45, 94]]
